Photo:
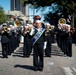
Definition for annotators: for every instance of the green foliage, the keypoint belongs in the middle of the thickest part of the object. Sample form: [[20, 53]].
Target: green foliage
[[65, 7], [3, 17]]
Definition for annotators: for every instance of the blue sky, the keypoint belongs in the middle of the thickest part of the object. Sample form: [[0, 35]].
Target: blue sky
[[39, 12], [5, 4]]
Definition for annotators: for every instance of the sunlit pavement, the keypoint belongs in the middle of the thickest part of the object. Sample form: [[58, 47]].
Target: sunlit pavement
[[58, 64]]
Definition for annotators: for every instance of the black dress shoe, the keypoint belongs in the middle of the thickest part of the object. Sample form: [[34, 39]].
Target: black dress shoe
[[40, 69], [27, 55], [24, 56], [47, 56], [35, 69], [5, 57], [9, 53]]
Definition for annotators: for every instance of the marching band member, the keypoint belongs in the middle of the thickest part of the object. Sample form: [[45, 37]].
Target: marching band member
[[63, 38], [58, 37], [53, 28], [61, 34], [48, 34], [4, 40], [38, 44], [18, 35], [27, 48], [9, 47], [69, 40], [12, 38]]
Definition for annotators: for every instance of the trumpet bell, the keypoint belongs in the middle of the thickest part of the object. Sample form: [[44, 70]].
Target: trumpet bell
[[62, 21], [18, 23], [5, 29]]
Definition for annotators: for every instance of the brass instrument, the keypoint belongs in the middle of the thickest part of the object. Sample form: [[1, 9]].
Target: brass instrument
[[27, 29], [48, 29], [18, 23], [5, 28], [62, 21]]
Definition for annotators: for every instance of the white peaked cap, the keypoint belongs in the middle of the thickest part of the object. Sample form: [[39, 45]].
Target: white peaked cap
[[30, 25], [27, 24], [52, 25], [38, 21], [11, 25], [4, 24], [48, 24]]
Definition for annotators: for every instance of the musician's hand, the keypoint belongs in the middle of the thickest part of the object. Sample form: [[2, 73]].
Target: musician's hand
[[2, 31], [28, 31], [32, 31], [25, 33], [31, 26], [22, 29]]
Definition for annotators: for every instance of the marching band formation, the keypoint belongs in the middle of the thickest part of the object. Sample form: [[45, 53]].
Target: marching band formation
[[37, 37], [10, 39]]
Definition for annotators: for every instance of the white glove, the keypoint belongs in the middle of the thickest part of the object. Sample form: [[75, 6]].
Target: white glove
[[45, 43], [32, 31]]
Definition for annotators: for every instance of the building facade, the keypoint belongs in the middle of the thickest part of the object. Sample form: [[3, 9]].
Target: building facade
[[16, 5]]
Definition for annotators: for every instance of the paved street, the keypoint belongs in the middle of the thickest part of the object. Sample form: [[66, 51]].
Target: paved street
[[58, 64]]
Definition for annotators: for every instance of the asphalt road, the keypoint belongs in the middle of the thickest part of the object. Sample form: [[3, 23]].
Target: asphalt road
[[58, 64]]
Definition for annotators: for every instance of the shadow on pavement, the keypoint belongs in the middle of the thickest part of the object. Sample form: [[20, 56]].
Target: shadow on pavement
[[1, 57], [25, 67], [18, 53], [17, 56], [55, 52], [0, 54]]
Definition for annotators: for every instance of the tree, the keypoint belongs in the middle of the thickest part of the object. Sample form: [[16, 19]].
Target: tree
[[53, 17], [3, 17], [68, 5]]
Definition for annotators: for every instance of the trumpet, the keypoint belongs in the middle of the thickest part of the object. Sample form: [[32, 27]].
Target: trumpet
[[5, 29], [27, 29], [18, 23], [48, 28]]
